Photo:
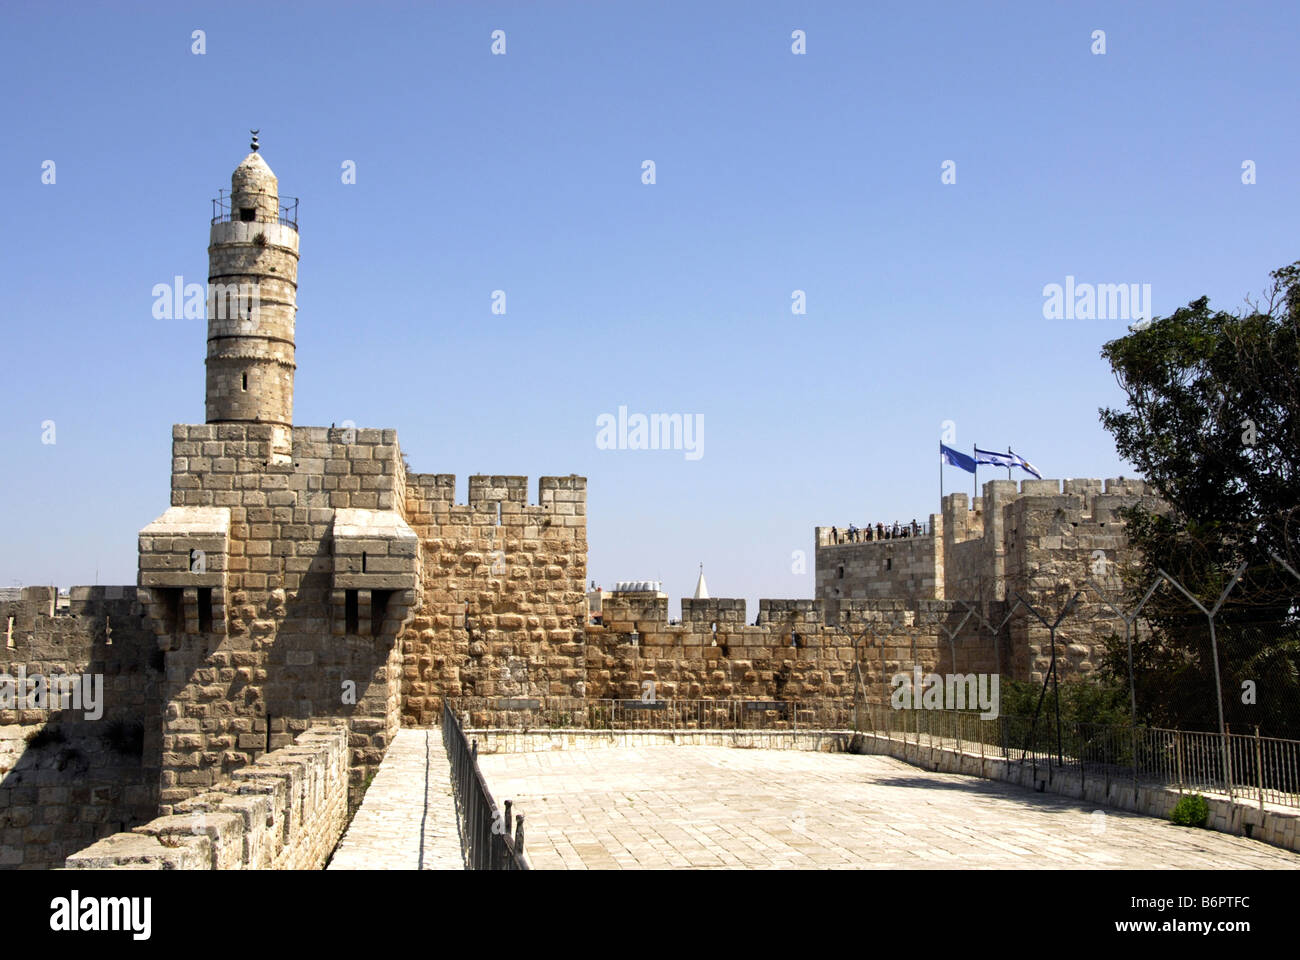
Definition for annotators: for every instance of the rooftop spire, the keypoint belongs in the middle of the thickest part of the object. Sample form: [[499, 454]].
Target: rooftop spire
[[254, 144], [701, 588]]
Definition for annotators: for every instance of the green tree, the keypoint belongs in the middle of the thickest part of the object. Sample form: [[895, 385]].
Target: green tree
[[1213, 423]]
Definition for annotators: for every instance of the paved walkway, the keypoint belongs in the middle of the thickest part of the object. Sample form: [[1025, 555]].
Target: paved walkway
[[688, 806], [407, 819]]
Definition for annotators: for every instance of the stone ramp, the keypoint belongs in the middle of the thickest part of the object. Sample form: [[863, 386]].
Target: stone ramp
[[407, 819]]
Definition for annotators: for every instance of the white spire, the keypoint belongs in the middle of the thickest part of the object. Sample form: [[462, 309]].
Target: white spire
[[701, 588]]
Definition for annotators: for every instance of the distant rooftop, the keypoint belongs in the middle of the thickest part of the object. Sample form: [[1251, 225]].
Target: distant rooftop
[[638, 586]]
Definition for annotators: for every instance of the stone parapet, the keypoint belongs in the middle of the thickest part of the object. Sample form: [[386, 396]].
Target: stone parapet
[[286, 811]]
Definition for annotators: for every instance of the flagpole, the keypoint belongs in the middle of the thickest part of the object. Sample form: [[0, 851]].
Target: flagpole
[[941, 477], [1008, 465], [975, 476]]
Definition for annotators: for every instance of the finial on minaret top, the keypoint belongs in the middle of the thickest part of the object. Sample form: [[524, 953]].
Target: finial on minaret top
[[254, 144]]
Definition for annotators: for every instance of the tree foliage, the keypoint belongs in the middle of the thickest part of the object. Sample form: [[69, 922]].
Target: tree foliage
[[1212, 421]]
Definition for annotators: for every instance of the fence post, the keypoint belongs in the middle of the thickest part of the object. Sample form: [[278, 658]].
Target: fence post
[[1259, 767], [1106, 762], [1079, 748], [1178, 751], [1134, 747], [1214, 652]]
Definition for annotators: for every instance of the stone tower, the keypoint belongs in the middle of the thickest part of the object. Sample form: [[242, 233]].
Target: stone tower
[[252, 303]]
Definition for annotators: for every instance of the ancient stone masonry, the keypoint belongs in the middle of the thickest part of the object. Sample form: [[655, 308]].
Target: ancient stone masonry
[[277, 590], [72, 773], [252, 305], [1054, 542], [304, 594], [286, 811], [504, 591], [302, 574], [799, 649], [1037, 543], [906, 567]]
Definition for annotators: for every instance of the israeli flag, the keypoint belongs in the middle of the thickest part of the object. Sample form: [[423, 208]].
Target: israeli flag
[[995, 458], [1026, 466], [955, 459]]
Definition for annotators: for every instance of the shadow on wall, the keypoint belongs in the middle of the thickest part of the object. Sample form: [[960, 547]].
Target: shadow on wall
[[91, 768], [280, 668]]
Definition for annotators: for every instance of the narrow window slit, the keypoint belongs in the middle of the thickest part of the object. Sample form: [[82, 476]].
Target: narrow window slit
[[351, 614], [205, 609]]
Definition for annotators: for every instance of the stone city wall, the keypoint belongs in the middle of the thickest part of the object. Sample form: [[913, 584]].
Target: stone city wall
[[799, 649], [1055, 542], [504, 591], [66, 775], [287, 638], [285, 811], [906, 568], [1038, 541]]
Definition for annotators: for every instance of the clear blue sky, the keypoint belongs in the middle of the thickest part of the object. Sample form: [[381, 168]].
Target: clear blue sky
[[522, 172]]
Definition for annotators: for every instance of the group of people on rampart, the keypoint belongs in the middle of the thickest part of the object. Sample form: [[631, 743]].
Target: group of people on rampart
[[881, 531]]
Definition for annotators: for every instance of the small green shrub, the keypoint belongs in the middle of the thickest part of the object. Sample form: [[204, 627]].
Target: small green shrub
[[1192, 810]]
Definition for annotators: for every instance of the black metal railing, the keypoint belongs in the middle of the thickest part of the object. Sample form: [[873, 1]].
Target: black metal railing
[[649, 713], [287, 208], [486, 832]]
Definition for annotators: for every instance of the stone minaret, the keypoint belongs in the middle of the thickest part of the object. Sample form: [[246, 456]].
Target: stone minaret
[[252, 302]]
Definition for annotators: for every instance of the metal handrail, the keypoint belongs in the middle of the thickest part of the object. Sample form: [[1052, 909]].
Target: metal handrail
[[923, 529], [486, 831], [222, 212], [772, 714], [1267, 769]]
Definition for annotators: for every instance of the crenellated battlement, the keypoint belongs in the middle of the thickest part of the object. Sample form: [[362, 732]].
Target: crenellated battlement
[[725, 616], [33, 627], [966, 552], [438, 490], [798, 648], [1088, 496]]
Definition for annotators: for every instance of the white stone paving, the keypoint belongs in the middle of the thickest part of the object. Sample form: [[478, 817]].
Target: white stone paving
[[407, 819], [697, 806]]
